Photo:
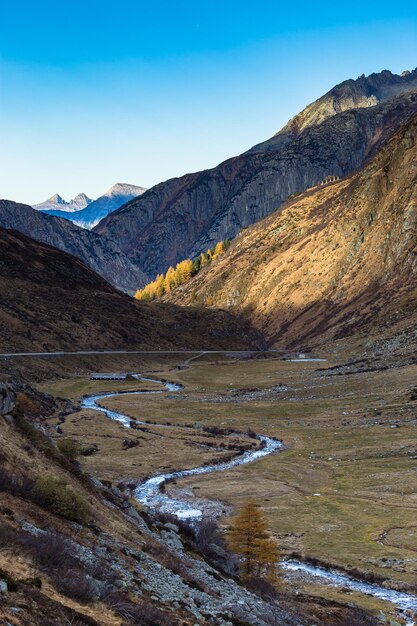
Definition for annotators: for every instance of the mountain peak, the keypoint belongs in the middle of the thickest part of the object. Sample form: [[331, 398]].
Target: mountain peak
[[56, 202], [56, 199], [362, 92], [125, 189]]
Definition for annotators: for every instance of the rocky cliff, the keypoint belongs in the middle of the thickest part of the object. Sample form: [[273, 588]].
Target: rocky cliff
[[336, 135], [337, 261], [101, 254]]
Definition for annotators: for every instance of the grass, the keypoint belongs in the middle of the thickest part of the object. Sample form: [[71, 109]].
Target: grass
[[74, 389], [350, 439]]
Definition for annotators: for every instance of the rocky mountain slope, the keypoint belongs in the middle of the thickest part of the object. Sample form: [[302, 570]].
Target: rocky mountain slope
[[334, 136], [91, 214], [102, 255], [57, 203], [336, 261], [50, 300]]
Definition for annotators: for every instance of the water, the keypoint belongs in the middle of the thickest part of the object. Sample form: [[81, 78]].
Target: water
[[404, 601], [149, 494]]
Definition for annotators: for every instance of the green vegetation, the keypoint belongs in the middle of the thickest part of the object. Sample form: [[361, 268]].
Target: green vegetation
[[55, 495], [69, 448], [181, 274]]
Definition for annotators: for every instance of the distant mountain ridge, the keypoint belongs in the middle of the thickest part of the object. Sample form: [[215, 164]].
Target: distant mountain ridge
[[93, 211], [335, 135], [56, 202], [99, 253]]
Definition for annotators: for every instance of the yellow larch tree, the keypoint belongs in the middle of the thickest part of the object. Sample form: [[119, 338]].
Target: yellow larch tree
[[248, 536]]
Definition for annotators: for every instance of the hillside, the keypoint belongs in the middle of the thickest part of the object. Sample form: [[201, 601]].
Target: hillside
[[99, 253], [337, 261], [50, 300], [334, 136], [91, 214]]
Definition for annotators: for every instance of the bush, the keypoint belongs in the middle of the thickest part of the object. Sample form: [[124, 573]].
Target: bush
[[79, 586], [51, 551], [69, 448], [146, 613], [56, 496], [27, 404], [11, 583]]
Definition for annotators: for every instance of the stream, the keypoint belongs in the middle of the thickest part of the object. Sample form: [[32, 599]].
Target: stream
[[149, 493]]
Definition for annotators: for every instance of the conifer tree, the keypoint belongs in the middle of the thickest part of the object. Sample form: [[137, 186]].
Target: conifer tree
[[248, 537], [169, 279], [218, 250]]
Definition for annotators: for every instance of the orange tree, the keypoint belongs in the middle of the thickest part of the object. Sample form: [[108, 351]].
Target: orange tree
[[248, 537]]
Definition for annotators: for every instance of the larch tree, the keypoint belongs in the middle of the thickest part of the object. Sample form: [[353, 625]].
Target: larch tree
[[218, 250], [248, 537], [169, 279]]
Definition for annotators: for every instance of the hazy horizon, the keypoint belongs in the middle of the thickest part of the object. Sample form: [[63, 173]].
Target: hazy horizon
[[92, 96]]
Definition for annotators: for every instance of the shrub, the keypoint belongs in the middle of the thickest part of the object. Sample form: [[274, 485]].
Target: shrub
[[51, 551], [79, 586], [11, 583], [145, 613], [7, 536], [27, 404], [69, 448], [56, 496]]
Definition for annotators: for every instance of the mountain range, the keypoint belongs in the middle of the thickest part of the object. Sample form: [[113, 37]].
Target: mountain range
[[336, 135], [87, 213], [336, 261], [350, 134], [57, 203], [99, 253]]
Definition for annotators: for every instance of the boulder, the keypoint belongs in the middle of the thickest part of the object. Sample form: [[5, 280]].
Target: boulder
[[7, 400]]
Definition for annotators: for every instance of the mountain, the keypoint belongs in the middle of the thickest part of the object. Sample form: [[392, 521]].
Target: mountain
[[336, 261], [94, 211], [50, 300], [99, 253], [335, 135], [56, 203]]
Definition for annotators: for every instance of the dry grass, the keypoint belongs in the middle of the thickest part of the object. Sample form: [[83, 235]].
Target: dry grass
[[340, 441]]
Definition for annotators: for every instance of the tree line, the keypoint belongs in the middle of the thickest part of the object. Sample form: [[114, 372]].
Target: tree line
[[181, 274]]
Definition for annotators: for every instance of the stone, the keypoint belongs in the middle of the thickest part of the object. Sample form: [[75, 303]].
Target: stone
[[7, 400], [173, 527], [3, 586]]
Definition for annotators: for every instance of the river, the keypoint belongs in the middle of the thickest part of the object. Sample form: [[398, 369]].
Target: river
[[149, 493]]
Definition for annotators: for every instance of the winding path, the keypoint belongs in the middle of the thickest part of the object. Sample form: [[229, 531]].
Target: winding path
[[149, 493]]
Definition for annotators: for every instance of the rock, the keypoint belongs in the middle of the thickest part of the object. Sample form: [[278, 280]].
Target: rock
[[173, 527], [3, 586], [7, 400], [330, 137]]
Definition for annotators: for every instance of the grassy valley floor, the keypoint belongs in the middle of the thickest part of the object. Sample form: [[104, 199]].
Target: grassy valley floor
[[343, 490]]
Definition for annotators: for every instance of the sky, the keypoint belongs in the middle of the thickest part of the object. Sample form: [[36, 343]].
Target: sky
[[98, 92]]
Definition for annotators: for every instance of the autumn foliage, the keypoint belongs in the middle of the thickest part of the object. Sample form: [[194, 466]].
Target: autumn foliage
[[249, 538], [181, 274]]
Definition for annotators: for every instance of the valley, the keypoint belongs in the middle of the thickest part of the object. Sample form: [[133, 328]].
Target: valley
[[341, 492], [268, 354]]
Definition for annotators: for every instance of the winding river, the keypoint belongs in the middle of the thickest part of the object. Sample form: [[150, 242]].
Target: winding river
[[149, 493]]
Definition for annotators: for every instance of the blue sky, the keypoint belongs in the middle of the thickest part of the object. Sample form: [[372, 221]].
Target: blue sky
[[93, 93]]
